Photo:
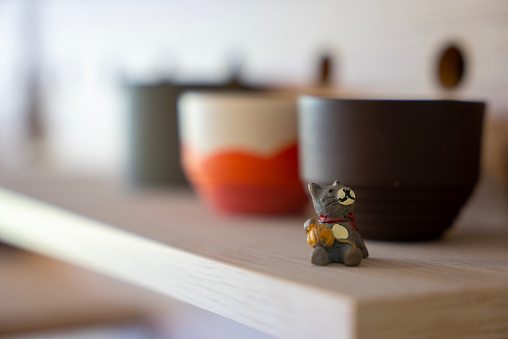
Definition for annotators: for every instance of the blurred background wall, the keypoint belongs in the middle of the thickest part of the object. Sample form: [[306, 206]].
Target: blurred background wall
[[63, 63]]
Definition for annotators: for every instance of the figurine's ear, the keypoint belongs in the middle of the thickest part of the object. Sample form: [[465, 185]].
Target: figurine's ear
[[314, 189], [337, 183]]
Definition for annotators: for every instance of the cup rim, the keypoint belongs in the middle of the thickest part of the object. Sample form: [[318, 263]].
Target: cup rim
[[232, 94]]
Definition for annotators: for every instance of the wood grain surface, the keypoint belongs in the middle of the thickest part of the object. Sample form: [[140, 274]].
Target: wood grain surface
[[38, 293], [256, 270]]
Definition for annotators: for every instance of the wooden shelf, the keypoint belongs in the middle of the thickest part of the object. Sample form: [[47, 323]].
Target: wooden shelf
[[38, 293], [256, 270]]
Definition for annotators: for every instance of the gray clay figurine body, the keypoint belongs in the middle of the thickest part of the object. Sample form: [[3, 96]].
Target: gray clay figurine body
[[334, 236]]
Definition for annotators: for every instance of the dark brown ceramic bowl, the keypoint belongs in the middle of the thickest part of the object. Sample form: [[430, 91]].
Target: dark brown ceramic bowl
[[412, 164]]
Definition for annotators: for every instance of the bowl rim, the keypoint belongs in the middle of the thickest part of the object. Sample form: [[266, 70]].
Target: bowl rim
[[307, 97]]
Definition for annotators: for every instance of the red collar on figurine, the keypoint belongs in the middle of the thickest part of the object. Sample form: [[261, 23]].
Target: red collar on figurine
[[323, 219]]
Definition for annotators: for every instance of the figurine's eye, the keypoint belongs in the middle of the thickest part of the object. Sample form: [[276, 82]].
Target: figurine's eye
[[346, 196], [330, 191]]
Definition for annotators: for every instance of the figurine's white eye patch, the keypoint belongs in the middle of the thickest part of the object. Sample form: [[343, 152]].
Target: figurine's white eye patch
[[346, 196]]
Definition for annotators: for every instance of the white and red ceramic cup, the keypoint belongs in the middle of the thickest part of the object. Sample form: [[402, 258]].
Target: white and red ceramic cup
[[239, 151]]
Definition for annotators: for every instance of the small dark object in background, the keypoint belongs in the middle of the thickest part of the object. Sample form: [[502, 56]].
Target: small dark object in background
[[452, 67]]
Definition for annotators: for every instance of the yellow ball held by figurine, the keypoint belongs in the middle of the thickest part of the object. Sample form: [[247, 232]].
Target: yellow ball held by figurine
[[318, 234]]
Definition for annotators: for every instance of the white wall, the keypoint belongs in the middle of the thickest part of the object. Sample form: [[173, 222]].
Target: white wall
[[383, 48]]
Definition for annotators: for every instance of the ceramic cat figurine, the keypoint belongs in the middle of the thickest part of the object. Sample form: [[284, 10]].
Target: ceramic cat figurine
[[334, 235]]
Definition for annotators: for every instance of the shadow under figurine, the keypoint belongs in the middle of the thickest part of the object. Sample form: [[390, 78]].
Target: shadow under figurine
[[334, 235]]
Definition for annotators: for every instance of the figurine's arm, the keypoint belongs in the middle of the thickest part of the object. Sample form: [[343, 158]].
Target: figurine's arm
[[308, 223], [318, 234]]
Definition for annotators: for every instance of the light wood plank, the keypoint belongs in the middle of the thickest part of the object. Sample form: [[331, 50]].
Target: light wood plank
[[256, 270], [37, 293]]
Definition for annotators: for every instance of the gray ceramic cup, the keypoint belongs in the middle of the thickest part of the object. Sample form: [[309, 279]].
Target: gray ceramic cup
[[412, 164], [154, 152]]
